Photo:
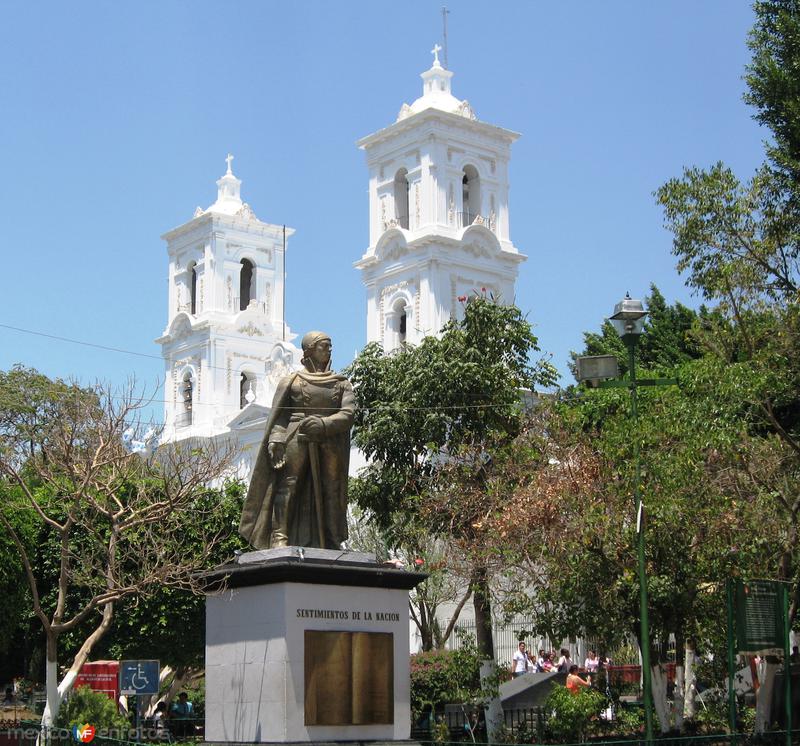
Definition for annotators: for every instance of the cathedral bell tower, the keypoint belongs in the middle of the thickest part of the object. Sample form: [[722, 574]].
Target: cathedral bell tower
[[226, 343], [438, 214]]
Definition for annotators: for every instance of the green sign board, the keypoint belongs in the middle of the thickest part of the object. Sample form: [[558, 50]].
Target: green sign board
[[760, 617]]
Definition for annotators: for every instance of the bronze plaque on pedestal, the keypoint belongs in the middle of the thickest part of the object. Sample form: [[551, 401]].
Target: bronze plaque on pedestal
[[349, 678]]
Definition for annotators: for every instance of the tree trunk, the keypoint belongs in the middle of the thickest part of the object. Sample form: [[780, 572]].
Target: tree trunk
[[482, 604], [425, 626], [53, 703], [445, 636], [182, 675], [56, 691], [658, 682], [679, 695], [689, 681]]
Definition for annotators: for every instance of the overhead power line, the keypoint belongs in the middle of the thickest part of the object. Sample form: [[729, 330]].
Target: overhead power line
[[80, 342]]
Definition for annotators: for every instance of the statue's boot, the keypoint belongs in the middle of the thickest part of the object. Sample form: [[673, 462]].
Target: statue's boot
[[280, 515]]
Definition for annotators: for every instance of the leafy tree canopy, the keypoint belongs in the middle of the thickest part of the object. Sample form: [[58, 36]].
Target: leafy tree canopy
[[773, 86], [422, 405]]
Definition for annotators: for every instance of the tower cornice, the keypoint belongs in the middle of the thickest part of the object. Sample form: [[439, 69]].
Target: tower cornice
[[228, 222], [414, 121]]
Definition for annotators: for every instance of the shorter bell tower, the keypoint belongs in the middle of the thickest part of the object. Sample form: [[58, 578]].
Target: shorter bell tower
[[226, 342], [438, 214]]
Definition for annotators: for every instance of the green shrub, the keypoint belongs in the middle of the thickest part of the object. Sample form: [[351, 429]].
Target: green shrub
[[570, 714], [629, 720], [88, 706], [442, 676]]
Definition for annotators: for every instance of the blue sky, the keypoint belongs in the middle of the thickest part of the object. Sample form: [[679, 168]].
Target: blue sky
[[116, 119]]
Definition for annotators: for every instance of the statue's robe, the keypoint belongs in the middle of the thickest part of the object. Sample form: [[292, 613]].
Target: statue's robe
[[330, 397]]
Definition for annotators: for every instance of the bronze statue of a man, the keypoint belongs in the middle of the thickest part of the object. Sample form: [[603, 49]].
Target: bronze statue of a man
[[298, 490]]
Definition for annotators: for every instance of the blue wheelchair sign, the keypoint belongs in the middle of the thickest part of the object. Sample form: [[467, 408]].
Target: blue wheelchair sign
[[138, 677]]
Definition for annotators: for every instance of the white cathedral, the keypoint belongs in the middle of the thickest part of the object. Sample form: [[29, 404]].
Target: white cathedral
[[438, 230]]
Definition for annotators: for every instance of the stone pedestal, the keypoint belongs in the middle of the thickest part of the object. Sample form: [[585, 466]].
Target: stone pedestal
[[307, 646]]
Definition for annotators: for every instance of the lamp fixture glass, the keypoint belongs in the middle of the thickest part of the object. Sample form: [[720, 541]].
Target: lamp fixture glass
[[628, 316]]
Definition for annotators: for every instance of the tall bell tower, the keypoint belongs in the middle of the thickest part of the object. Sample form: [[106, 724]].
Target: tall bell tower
[[226, 342], [438, 214]]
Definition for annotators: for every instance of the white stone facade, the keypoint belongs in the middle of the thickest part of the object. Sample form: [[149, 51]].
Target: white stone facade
[[226, 343], [438, 230], [438, 215]]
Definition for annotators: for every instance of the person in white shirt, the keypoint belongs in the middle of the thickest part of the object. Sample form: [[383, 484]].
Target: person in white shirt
[[519, 661], [592, 662]]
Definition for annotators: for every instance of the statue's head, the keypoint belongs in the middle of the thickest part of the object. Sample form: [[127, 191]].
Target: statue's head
[[316, 351]]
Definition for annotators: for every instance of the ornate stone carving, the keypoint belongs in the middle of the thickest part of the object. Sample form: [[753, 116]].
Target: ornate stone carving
[[405, 111], [229, 292], [465, 110], [198, 211], [477, 248], [251, 330], [279, 366], [246, 212], [391, 289]]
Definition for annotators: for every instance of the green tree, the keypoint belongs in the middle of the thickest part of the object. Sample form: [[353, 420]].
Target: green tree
[[732, 248], [707, 517], [168, 624], [14, 595], [111, 523], [432, 419], [580, 574], [773, 87], [737, 244]]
